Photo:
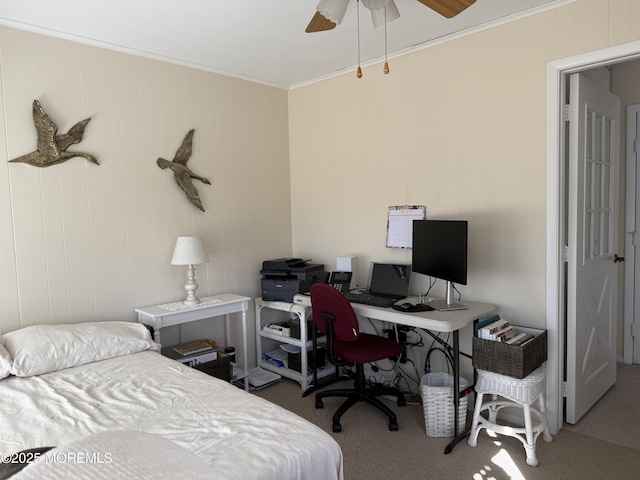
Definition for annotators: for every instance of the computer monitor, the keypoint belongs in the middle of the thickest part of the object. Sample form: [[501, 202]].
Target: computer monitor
[[439, 250]]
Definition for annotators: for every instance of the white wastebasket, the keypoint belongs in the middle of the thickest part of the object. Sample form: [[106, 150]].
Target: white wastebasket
[[437, 403]]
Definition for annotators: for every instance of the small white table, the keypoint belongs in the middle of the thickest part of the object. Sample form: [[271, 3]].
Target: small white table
[[158, 316]]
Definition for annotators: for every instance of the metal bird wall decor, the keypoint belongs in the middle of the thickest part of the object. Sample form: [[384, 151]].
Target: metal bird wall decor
[[182, 173], [52, 148]]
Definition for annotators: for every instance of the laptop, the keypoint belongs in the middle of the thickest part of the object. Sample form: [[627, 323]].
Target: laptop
[[390, 280], [389, 283]]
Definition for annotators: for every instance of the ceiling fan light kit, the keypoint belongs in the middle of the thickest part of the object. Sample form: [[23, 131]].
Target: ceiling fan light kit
[[330, 13], [333, 10], [382, 11]]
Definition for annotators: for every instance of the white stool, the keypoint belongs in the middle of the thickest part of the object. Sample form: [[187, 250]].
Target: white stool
[[518, 393]]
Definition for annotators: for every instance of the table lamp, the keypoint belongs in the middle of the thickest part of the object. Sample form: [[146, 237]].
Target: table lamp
[[190, 251]]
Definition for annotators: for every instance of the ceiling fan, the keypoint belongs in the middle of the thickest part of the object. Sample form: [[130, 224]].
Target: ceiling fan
[[331, 12]]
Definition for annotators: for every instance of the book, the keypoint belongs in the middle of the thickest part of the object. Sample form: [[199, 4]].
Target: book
[[193, 347], [526, 340], [498, 335], [484, 323], [516, 338], [198, 359], [508, 335], [190, 360], [489, 331], [497, 326]]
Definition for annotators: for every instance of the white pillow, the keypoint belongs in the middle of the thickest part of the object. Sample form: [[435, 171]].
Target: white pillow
[[5, 362], [46, 348]]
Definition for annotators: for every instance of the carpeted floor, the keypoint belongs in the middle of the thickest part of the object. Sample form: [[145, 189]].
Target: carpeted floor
[[372, 452], [616, 417]]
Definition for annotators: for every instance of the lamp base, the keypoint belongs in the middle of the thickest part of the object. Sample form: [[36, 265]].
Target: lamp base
[[191, 286], [191, 302]]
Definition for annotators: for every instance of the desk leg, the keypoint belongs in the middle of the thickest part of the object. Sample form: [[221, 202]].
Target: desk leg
[[456, 393], [227, 337], [245, 354], [227, 330]]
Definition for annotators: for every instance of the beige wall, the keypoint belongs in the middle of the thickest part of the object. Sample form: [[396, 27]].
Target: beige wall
[[80, 242], [459, 127]]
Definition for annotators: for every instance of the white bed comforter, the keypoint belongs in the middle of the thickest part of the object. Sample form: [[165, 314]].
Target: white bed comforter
[[239, 435], [107, 456]]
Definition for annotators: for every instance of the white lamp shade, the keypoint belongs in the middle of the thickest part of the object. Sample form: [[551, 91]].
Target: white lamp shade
[[189, 251]]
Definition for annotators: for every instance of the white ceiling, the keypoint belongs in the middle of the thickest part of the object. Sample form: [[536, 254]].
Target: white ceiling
[[259, 40]]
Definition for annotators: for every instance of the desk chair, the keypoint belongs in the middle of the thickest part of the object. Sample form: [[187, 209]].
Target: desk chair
[[334, 316]]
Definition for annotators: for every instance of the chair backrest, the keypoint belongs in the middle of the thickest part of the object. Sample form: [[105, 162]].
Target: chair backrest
[[326, 300]]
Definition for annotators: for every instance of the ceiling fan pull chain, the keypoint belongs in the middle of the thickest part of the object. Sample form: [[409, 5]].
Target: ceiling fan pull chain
[[386, 64], [359, 73]]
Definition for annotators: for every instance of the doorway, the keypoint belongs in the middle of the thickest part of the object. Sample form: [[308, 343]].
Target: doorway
[[557, 76], [632, 264], [591, 239]]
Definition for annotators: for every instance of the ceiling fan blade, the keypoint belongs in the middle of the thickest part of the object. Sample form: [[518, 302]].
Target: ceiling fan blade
[[319, 24], [447, 8]]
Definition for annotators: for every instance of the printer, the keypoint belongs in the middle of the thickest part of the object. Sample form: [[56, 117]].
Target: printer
[[283, 278]]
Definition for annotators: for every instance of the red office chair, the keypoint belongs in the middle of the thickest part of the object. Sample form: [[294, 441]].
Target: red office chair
[[334, 316]]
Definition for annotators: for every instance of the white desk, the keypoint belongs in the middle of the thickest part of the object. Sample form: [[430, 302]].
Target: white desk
[[225, 304], [450, 321]]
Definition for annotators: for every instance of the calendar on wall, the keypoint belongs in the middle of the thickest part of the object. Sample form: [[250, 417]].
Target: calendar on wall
[[400, 224]]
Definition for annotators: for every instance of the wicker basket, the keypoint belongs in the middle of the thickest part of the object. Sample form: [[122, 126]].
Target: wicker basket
[[437, 403]]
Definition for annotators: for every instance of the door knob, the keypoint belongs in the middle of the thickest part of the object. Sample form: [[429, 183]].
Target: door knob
[[617, 259]]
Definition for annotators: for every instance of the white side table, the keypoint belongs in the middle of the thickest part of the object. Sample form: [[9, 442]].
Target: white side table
[[159, 316]]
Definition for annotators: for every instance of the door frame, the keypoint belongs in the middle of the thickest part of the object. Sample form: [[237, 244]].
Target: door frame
[[630, 227], [557, 76]]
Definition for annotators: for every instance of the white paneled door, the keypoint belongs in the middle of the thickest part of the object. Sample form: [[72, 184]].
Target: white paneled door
[[592, 241], [632, 237]]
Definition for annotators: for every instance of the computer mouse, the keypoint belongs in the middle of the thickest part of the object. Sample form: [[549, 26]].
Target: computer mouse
[[406, 306]]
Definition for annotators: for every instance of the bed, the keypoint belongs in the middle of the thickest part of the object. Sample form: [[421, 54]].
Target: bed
[[98, 400]]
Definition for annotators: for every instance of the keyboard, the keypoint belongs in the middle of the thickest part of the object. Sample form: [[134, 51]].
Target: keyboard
[[368, 299]]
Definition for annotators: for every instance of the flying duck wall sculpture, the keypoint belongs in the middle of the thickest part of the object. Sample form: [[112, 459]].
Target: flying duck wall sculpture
[[182, 173], [51, 148]]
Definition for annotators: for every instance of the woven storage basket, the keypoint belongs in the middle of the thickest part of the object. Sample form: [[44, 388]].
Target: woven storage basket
[[437, 404], [515, 361]]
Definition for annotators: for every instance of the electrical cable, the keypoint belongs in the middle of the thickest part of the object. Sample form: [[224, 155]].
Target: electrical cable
[[432, 282], [359, 73]]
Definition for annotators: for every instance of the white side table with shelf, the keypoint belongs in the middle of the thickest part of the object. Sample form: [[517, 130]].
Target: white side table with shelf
[[159, 316], [304, 342]]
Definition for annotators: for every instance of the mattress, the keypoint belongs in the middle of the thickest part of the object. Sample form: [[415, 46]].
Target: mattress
[[236, 434]]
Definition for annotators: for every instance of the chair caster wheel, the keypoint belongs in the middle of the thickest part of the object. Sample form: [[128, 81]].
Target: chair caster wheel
[[337, 427], [393, 426], [319, 403]]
